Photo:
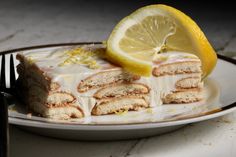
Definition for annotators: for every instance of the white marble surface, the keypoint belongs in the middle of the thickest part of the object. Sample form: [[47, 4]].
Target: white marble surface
[[210, 138], [24, 23]]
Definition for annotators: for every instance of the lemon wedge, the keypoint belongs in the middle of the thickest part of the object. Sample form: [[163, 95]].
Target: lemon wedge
[[154, 29]]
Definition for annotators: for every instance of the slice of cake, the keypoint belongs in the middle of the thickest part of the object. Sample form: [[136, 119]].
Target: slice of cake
[[76, 82]]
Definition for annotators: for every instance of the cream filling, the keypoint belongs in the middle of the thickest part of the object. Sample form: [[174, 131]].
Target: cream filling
[[55, 113], [160, 87]]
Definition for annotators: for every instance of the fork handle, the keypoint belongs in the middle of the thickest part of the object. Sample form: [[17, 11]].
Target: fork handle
[[4, 130]]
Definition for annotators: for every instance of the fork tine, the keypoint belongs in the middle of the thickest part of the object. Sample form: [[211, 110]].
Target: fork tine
[[3, 78], [12, 72]]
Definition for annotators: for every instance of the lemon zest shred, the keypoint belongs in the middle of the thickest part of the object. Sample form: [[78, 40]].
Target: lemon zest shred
[[81, 56], [31, 60], [149, 110], [121, 112]]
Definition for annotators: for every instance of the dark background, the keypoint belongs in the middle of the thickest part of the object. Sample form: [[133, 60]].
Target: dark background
[[28, 22]]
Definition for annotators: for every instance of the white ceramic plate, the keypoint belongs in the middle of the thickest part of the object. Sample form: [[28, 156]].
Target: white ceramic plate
[[220, 92]]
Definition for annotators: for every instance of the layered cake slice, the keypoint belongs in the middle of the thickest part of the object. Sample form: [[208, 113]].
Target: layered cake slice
[[77, 82]]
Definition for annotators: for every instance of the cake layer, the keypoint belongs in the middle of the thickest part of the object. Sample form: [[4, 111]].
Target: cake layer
[[64, 113], [114, 105], [184, 96], [177, 68], [173, 63], [121, 89], [103, 78], [79, 82], [189, 82]]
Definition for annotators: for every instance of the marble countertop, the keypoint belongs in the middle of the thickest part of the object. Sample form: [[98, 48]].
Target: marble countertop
[[215, 137], [27, 23]]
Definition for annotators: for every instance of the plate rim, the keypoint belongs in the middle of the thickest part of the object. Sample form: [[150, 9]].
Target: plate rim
[[99, 127], [146, 125]]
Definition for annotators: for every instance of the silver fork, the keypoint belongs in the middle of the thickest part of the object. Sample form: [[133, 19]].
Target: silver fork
[[5, 92]]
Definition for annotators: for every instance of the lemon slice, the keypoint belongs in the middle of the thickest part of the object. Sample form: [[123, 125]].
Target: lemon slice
[[139, 37]]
